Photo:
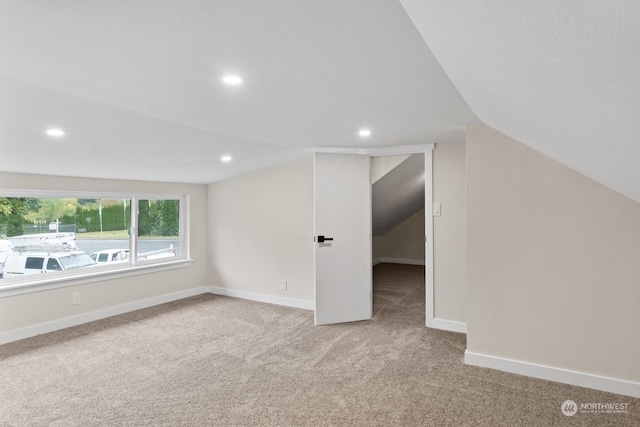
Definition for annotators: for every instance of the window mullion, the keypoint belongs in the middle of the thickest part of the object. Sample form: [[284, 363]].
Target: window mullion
[[133, 232]]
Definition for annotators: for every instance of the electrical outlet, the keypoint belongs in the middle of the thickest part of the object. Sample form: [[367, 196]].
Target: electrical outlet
[[283, 284], [76, 298]]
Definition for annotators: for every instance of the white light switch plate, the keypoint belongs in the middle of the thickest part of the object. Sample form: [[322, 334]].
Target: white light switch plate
[[436, 209]]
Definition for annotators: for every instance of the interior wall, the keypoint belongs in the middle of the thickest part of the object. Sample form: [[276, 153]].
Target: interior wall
[[31, 309], [261, 231], [404, 242], [381, 165], [552, 262], [450, 232]]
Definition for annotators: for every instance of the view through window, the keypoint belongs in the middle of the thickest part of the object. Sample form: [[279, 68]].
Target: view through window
[[44, 235]]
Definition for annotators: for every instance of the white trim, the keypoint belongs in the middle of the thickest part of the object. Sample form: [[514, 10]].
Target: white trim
[[271, 299], [66, 322], [185, 226], [379, 151], [99, 274], [403, 149], [428, 244], [448, 325], [427, 150], [566, 376], [398, 261], [38, 282], [581, 379], [84, 194], [315, 228]]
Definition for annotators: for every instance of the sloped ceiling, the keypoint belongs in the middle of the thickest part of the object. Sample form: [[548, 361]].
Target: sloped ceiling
[[398, 194], [136, 85], [560, 76]]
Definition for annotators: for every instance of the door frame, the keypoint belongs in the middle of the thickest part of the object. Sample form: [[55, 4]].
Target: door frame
[[427, 150]]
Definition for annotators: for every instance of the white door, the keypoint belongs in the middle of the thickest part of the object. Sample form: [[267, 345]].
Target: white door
[[342, 188]]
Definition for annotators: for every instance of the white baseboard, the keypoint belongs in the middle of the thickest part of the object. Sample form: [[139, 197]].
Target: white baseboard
[[447, 325], [612, 385], [271, 299], [66, 322], [581, 379], [398, 261]]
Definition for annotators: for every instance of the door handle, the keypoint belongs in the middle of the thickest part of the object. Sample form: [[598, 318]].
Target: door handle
[[322, 239]]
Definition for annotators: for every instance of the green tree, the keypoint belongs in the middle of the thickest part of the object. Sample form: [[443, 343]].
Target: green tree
[[155, 215], [144, 218], [170, 212], [33, 204], [12, 209], [5, 206], [52, 209]]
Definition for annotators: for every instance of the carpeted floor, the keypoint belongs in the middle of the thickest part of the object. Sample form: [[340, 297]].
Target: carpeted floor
[[212, 360]]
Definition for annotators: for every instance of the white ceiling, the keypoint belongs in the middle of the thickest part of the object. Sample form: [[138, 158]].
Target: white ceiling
[[136, 85], [560, 76]]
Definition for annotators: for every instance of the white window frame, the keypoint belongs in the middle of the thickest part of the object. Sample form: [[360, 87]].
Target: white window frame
[[37, 283]]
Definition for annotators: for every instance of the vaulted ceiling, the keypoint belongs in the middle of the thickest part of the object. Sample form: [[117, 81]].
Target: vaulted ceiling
[[560, 76], [137, 85]]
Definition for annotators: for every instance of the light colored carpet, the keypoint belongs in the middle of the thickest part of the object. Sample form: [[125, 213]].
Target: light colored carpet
[[213, 360]]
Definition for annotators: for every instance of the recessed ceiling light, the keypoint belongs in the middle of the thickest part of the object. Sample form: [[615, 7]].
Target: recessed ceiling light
[[364, 133], [226, 158], [55, 132], [232, 80]]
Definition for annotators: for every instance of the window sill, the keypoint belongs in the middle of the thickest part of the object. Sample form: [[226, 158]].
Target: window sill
[[65, 280]]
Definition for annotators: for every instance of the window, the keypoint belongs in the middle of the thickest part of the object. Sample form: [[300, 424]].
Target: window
[[53, 265], [158, 228], [86, 233], [34, 263], [75, 260]]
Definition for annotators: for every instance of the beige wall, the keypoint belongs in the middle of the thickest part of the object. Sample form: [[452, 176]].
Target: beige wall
[[553, 262], [247, 234], [261, 231], [450, 232], [405, 241], [34, 308]]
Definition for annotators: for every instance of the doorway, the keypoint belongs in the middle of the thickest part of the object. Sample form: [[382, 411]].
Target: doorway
[[398, 230], [330, 290]]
